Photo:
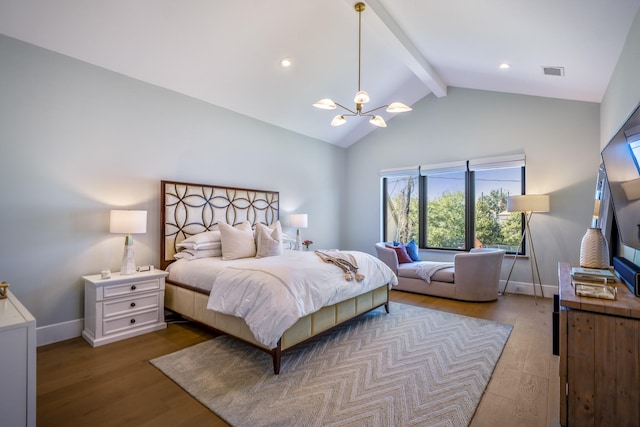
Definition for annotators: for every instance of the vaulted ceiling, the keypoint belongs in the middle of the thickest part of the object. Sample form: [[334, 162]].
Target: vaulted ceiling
[[228, 53]]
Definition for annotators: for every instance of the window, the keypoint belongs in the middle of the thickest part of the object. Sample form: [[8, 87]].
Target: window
[[400, 189], [455, 206], [445, 205]]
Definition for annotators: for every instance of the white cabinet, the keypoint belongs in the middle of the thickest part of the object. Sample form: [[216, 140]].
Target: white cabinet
[[123, 306], [17, 364]]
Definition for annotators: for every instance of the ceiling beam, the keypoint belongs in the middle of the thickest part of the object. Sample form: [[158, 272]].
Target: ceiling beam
[[412, 56]]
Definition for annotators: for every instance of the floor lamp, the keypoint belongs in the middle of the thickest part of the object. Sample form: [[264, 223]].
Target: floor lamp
[[528, 204]]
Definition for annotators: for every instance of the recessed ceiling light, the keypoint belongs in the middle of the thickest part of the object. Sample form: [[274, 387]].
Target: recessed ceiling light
[[286, 62], [504, 66]]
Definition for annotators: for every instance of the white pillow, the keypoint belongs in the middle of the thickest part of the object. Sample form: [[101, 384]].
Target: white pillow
[[268, 240], [190, 254], [205, 240], [238, 241]]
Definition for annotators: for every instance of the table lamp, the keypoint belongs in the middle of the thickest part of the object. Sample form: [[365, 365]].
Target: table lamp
[[298, 221], [128, 222]]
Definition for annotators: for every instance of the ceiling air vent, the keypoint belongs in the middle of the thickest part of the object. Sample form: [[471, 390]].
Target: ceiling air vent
[[553, 71]]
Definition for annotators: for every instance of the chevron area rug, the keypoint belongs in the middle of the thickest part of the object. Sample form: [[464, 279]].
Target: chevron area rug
[[412, 367]]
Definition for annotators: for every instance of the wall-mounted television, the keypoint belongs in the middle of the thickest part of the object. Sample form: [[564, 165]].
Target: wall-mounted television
[[621, 159]]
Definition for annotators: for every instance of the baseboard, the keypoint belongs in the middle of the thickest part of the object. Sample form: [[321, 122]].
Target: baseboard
[[525, 288], [59, 332]]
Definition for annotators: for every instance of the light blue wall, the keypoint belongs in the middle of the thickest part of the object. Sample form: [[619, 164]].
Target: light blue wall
[[77, 140], [560, 140]]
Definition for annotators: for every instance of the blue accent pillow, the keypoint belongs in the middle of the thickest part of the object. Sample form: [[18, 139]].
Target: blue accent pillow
[[412, 250]]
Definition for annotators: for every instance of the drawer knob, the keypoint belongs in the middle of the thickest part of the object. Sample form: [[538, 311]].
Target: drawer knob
[[133, 304], [133, 320], [133, 287]]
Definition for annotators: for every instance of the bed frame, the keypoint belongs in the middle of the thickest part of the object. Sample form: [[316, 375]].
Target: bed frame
[[188, 209]]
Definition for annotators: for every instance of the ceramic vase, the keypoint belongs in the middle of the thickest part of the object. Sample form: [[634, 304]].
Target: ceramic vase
[[594, 251]]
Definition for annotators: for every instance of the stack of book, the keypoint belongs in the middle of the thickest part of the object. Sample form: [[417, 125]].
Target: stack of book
[[594, 282]]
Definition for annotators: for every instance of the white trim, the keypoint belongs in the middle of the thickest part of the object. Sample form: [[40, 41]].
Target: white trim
[[59, 332], [438, 168], [526, 288], [501, 162], [406, 171]]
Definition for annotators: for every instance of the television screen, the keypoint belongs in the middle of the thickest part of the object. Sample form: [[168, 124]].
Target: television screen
[[621, 158]]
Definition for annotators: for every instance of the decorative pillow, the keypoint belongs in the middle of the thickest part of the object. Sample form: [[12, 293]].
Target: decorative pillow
[[268, 240], [403, 256], [190, 254], [238, 241], [205, 240], [412, 250]]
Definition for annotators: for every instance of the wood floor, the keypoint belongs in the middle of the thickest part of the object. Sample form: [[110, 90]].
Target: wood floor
[[115, 385]]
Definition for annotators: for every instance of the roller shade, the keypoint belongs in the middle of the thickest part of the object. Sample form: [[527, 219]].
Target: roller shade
[[501, 162], [406, 171], [439, 168]]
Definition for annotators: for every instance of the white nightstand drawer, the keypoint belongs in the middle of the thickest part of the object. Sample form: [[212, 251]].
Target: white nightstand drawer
[[131, 288], [133, 321], [130, 305]]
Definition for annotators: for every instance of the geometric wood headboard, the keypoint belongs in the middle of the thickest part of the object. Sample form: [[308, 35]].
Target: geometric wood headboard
[[189, 209]]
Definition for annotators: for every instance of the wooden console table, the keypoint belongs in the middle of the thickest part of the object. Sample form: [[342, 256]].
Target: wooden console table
[[599, 357]]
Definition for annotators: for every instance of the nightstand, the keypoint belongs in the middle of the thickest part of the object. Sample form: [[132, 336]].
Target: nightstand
[[17, 364], [123, 306]]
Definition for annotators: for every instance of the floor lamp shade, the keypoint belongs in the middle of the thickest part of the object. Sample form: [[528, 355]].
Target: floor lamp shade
[[298, 221], [528, 203], [128, 222]]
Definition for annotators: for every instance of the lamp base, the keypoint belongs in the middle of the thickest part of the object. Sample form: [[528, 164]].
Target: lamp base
[[298, 246], [128, 261]]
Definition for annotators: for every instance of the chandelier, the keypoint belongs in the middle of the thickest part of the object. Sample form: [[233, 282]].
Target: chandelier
[[362, 97]]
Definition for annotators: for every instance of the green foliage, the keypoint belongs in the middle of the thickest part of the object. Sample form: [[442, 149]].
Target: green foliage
[[495, 227], [446, 219]]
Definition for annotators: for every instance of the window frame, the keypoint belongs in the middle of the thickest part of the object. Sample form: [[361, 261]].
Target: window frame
[[470, 168]]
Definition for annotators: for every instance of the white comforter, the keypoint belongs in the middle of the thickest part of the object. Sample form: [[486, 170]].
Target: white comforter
[[272, 293]]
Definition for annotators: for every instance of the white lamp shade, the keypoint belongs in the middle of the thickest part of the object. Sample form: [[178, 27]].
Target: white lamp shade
[[128, 222], [338, 120], [378, 121], [362, 97], [298, 220], [528, 203], [398, 107], [325, 104]]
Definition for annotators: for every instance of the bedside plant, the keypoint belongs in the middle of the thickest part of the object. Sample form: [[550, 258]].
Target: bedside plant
[[306, 244]]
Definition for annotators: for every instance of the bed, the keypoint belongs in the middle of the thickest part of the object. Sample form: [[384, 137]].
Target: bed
[[190, 211]]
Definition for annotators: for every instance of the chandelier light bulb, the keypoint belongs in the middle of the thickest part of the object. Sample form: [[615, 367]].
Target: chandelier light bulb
[[338, 120], [378, 121], [362, 97]]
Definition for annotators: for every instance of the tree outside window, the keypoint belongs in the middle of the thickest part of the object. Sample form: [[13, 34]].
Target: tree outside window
[[450, 201]]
